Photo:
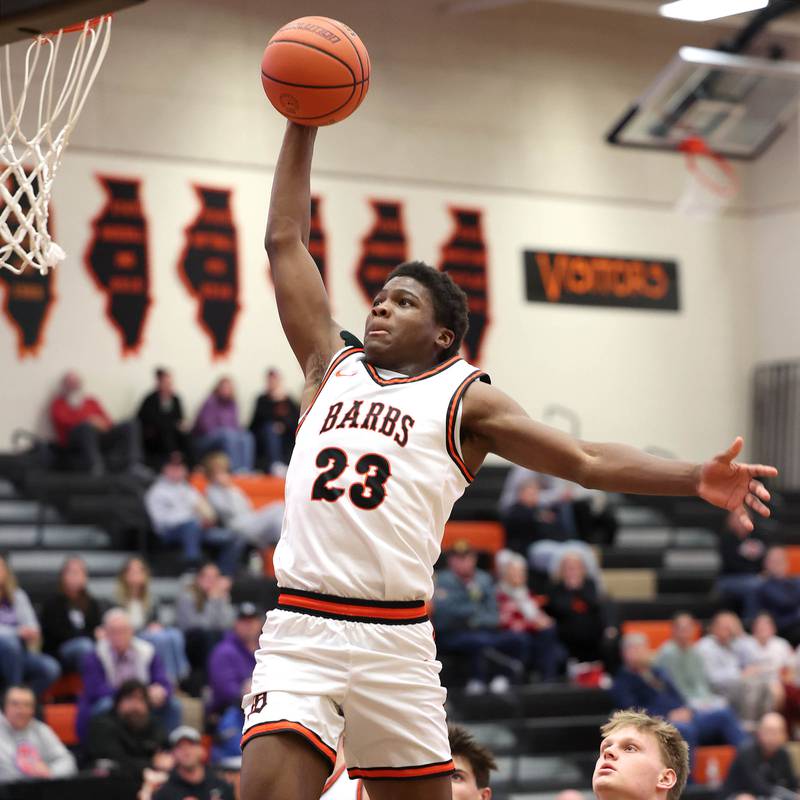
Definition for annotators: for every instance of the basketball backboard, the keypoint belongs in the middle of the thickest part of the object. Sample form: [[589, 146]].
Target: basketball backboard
[[737, 104], [21, 19]]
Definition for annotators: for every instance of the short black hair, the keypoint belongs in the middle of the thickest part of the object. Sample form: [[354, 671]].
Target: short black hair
[[449, 301], [128, 689], [464, 745], [161, 372]]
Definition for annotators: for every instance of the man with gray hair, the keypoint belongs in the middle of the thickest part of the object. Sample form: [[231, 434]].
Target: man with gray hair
[[120, 657], [640, 685]]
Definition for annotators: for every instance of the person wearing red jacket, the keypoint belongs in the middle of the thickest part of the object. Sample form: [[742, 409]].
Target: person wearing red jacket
[[86, 431]]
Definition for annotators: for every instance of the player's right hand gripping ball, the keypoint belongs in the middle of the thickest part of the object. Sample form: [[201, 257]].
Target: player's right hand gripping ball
[[315, 71]]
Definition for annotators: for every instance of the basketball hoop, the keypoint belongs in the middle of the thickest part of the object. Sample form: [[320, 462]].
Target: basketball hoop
[[31, 149], [712, 183]]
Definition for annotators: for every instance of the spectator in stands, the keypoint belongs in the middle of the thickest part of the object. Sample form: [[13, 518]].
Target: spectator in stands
[[20, 635], [181, 515], [682, 663], [741, 554], [85, 429], [780, 595], [582, 619], [473, 765], [763, 768], [467, 622], [261, 527], [728, 661], [164, 428], [71, 616], [190, 779], [275, 418], [580, 513], [29, 749], [230, 667], [119, 657], [770, 652], [133, 595], [519, 611], [128, 734], [204, 613], [217, 428], [641, 758], [639, 685]]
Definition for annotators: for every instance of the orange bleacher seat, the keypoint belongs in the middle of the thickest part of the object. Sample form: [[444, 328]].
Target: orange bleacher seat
[[261, 489], [68, 685], [703, 756], [61, 718], [486, 537], [793, 554], [657, 631]]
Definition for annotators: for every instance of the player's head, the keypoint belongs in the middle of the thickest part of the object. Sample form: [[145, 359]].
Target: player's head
[[473, 764], [419, 312], [641, 758]]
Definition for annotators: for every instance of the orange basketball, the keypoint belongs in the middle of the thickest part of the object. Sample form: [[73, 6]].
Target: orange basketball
[[315, 71]]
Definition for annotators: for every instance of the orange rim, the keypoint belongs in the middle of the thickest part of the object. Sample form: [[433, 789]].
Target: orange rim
[[79, 26], [695, 150]]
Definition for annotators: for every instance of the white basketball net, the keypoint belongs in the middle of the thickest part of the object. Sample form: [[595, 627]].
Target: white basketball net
[[29, 161]]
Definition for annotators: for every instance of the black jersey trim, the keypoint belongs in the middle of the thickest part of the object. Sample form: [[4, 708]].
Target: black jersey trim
[[453, 449]]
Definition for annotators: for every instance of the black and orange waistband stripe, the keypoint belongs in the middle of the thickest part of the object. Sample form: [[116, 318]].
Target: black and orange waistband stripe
[[452, 413], [335, 363], [401, 773], [287, 726], [349, 608]]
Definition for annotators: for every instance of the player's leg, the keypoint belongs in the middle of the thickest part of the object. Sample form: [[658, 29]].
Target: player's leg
[[284, 766], [439, 788]]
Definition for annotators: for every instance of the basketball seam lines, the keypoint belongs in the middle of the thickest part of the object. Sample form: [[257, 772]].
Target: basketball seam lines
[[319, 50], [364, 76], [309, 85]]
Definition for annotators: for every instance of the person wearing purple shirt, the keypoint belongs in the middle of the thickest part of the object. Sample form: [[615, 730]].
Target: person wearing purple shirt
[[217, 428], [119, 657], [230, 666]]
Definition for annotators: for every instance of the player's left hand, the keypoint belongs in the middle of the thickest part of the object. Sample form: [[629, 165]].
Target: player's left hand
[[728, 484]]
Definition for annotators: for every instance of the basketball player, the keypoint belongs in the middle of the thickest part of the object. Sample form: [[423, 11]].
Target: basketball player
[[641, 758], [391, 434]]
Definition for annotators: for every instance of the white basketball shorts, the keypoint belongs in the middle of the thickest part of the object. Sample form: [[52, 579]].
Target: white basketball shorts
[[327, 666]]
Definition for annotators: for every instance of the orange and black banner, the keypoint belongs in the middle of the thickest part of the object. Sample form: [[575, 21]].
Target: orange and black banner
[[615, 281]]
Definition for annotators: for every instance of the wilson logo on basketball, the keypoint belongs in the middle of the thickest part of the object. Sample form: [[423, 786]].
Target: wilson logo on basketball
[[118, 260], [601, 280], [30, 296], [209, 267]]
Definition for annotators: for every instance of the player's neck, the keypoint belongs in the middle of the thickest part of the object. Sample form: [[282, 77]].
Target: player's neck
[[407, 368]]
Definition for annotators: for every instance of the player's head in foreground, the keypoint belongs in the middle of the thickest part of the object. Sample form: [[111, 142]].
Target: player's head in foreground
[[473, 764], [641, 758], [418, 317]]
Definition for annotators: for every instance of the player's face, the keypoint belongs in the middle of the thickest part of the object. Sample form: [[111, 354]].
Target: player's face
[[401, 326], [463, 782], [630, 766]]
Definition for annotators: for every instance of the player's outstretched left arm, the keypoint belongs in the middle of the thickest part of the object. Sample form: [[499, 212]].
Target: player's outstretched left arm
[[494, 423]]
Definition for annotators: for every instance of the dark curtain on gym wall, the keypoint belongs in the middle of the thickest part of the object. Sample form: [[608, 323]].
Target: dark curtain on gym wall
[[776, 420]]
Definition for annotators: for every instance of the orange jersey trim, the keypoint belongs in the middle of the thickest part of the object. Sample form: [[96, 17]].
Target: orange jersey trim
[[286, 726], [452, 412], [395, 773], [392, 381]]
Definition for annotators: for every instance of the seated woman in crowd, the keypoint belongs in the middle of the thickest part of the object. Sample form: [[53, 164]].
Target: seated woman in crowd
[[580, 614], [204, 612], [217, 428], [133, 595], [71, 616], [20, 635], [520, 612], [261, 527]]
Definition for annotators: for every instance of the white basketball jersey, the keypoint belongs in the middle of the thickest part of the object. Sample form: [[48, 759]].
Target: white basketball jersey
[[373, 477]]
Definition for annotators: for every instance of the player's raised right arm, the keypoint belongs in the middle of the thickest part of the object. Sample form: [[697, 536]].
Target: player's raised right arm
[[302, 300]]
